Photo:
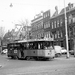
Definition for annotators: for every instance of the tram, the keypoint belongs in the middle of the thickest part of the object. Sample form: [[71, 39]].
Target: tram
[[27, 49]]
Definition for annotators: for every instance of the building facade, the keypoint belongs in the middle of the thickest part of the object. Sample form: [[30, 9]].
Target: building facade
[[37, 27], [58, 27], [54, 27], [46, 24]]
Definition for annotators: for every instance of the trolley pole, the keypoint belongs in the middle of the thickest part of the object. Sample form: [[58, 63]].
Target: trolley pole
[[66, 31]]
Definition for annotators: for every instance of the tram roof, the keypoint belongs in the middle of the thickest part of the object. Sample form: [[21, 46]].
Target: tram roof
[[33, 40]]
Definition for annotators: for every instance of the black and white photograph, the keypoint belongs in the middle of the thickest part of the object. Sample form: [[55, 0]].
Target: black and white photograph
[[37, 37]]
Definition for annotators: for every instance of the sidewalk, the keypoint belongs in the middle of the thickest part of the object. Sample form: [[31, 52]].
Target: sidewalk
[[63, 57]]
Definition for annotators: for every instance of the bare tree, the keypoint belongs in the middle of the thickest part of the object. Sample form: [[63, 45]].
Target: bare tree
[[24, 30], [1, 37], [2, 32], [21, 29], [24, 22]]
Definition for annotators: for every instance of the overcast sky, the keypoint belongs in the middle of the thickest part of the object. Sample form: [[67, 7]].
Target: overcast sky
[[26, 9]]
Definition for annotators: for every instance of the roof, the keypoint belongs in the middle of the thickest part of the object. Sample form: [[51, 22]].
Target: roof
[[35, 40], [62, 11], [36, 18], [55, 14], [67, 10]]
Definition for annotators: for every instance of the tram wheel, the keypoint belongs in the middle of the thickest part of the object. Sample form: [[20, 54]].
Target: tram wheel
[[12, 57], [38, 58], [27, 58], [18, 58]]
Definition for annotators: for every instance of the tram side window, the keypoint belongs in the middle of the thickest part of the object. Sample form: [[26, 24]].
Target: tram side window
[[35, 45], [20, 46], [16, 46], [47, 44], [30, 45], [52, 44], [41, 45], [24, 46], [10, 45], [38, 46]]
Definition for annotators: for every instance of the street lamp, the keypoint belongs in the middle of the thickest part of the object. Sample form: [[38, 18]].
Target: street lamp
[[66, 31]]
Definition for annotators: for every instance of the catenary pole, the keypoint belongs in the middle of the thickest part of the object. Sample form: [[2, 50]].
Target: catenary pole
[[66, 31]]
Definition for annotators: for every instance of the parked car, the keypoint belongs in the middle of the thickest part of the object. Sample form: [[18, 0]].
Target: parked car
[[63, 50], [71, 52], [4, 51], [57, 51]]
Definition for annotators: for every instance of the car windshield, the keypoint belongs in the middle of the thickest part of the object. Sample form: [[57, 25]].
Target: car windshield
[[63, 48], [57, 47]]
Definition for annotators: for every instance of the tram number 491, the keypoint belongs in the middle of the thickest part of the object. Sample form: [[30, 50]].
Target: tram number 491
[[15, 51]]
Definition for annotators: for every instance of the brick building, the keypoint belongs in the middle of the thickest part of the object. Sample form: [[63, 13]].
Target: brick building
[[55, 26], [37, 27], [46, 24]]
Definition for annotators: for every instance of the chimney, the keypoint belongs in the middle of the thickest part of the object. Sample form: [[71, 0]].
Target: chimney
[[70, 6], [56, 9]]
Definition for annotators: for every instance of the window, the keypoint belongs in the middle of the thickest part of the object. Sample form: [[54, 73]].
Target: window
[[52, 25], [42, 35], [69, 32], [48, 24], [49, 35], [41, 24], [73, 18], [57, 23], [44, 15], [73, 30], [61, 34], [70, 18], [44, 25], [55, 35], [38, 35], [60, 22], [58, 34], [48, 13]]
